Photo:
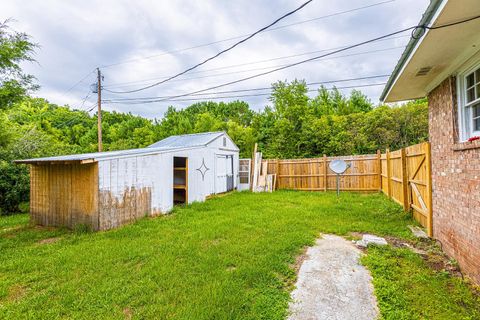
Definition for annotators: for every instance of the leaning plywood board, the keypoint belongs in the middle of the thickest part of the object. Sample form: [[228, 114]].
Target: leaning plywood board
[[270, 183], [262, 178], [256, 170]]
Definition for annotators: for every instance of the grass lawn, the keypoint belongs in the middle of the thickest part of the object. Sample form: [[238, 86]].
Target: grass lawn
[[231, 257]]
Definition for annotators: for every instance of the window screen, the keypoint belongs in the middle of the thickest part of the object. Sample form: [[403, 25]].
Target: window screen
[[471, 103]]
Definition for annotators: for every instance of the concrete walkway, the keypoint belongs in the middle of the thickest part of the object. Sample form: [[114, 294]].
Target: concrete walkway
[[332, 284]]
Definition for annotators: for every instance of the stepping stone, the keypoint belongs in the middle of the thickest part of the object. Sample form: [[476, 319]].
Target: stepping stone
[[368, 239], [418, 232], [332, 284]]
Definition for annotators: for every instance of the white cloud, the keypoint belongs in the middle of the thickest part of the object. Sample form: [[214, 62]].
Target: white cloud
[[75, 37]]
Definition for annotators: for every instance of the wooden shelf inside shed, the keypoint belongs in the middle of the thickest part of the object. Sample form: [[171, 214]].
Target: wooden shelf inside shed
[[180, 180]]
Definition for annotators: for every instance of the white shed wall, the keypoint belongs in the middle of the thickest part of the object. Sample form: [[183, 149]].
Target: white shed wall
[[134, 186]]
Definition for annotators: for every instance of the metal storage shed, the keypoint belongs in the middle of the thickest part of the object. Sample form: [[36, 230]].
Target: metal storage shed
[[107, 189]]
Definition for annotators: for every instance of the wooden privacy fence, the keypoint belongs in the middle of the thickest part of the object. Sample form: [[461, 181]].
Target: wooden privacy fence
[[315, 175], [403, 175], [407, 179]]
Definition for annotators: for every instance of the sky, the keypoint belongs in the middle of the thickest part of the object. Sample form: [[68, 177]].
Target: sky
[[137, 43]]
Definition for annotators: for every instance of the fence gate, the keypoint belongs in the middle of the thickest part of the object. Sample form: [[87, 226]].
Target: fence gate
[[419, 183], [406, 178]]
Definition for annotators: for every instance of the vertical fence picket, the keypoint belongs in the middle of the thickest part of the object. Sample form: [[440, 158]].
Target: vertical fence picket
[[406, 200], [277, 172], [389, 174], [325, 173], [379, 165]]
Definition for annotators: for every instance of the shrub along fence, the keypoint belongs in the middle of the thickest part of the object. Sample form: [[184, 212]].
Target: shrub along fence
[[403, 175]]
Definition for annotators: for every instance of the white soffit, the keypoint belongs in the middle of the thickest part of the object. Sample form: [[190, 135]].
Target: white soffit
[[440, 52]]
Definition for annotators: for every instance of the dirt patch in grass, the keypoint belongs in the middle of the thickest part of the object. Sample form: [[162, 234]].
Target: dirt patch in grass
[[289, 281], [43, 228], [436, 265], [221, 195], [299, 260], [431, 253], [206, 244], [12, 229], [355, 235], [437, 259], [49, 240], [428, 249], [127, 312], [16, 293], [8, 235], [12, 232]]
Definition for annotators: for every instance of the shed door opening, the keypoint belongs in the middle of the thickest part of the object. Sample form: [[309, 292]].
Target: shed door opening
[[180, 180]]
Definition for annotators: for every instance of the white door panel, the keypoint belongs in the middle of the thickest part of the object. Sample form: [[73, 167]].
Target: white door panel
[[221, 174]]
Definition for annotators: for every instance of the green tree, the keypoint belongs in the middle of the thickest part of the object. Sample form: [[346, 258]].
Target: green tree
[[206, 122], [15, 47]]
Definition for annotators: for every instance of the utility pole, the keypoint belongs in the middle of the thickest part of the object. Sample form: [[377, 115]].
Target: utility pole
[[99, 113]]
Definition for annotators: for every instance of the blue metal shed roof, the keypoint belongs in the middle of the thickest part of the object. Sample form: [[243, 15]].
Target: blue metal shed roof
[[187, 140]]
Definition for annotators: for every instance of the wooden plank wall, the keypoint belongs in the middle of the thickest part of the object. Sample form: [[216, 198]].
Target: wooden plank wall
[[403, 175], [64, 194]]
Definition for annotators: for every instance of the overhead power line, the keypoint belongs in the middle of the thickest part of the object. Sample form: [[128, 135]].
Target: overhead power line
[[223, 51], [272, 67], [286, 66], [251, 89], [245, 95], [322, 56], [85, 99], [80, 108], [92, 107], [77, 83], [71, 121], [422, 28], [244, 35], [129, 83]]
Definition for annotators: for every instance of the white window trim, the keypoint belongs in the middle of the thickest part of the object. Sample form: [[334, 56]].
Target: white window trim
[[465, 117]]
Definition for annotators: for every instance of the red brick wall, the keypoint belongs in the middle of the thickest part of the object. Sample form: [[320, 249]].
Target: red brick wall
[[455, 183]]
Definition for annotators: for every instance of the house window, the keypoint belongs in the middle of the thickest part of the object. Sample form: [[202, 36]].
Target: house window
[[224, 141], [469, 103]]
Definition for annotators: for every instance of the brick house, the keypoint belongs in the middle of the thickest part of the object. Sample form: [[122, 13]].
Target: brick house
[[444, 65]]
